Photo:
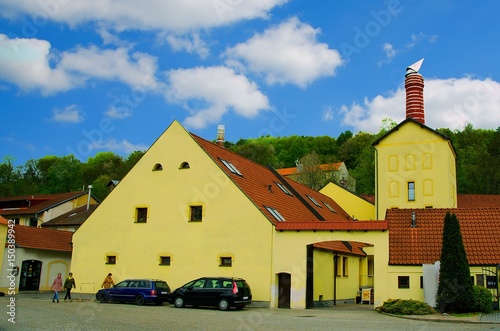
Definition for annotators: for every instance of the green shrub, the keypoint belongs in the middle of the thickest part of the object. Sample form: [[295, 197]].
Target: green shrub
[[406, 307], [483, 300]]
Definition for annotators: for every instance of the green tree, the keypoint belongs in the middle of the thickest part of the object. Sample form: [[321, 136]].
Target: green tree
[[309, 171], [455, 290]]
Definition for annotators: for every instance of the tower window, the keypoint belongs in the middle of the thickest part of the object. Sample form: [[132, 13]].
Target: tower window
[[411, 191]]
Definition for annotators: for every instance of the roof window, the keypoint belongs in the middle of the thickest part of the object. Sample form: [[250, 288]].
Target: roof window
[[329, 207], [313, 200], [231, 167], [283, 188], [275, 214]]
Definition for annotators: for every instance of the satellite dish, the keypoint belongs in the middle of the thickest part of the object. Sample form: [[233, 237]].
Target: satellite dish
[[414, 67]]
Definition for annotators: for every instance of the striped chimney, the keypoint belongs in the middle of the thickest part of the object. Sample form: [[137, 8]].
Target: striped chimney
[[414, 86], [221, 131]]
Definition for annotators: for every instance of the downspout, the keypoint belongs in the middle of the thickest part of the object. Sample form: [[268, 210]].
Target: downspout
[[335, 258], [376, 184]]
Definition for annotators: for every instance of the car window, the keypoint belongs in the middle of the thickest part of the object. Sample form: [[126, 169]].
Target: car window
[[200, 283], [145, 284], [122, 284], [227, 283], [133, 284], [162, 285]]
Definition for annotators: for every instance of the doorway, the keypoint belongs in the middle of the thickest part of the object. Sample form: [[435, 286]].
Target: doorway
[[30, 275], [284, 285]]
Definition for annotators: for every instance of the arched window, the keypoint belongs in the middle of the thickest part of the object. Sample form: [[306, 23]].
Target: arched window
[[184, 165], [157, 167]]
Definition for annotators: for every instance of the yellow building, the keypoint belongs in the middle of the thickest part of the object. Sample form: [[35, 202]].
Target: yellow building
[[191, 208]]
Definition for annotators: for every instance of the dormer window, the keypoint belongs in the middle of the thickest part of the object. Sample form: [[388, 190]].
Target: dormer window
[[231, 167], [283, 188], [313, 200], [275, 214], [184, 165], [158, 167]]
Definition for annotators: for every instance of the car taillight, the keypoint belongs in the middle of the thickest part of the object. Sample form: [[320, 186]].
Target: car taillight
[[235, 288], [153, 292]]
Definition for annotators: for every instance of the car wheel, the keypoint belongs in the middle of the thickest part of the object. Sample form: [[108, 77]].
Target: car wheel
[[223, 304], [103, 298], [179, 302], [139, 300]]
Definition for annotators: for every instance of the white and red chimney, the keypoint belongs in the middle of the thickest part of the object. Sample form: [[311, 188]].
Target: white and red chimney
[[414, 86], [221, 130]]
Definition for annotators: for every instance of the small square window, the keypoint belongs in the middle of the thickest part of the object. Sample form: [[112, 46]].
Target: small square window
[[196, 213], [164, 260], [226, 261], [111, 259], [403, 281], [141, 215]]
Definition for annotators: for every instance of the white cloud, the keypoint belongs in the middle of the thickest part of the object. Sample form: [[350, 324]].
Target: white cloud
[[190, 44], [119, 112], [328, 114], [287, 53], [180, 16], [210, 92], [389, 52], [122, 146], [27, 64], [419, 37], [448, 103], [70, 114]]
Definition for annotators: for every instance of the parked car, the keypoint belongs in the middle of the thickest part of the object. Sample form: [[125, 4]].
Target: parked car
[[221, 292], [140, 291]]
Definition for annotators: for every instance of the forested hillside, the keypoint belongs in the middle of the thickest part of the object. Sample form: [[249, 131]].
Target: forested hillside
[[478, 162]]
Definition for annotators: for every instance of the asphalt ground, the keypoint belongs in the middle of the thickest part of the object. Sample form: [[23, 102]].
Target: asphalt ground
[[36, 311]]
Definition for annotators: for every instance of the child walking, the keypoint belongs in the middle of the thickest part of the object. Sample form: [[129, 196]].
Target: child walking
[[56, 286]]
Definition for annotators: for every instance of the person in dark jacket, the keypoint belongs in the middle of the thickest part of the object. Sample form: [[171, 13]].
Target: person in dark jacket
[[69, 283]]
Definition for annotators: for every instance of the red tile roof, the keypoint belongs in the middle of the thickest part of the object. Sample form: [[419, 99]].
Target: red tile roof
[[422, 244], [478, 201], [323, 167], [32, 204], [259, 183], [44, 239], [334, 226], [3, 221], [344, 247], [75, 217]]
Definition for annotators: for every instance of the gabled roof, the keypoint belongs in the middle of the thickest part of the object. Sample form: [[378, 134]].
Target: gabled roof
[[322, 167], [422, 244], [44, 239], [423, 126], [261, 185], [343, 247], [478, 200], [75, 217], [32, 204]]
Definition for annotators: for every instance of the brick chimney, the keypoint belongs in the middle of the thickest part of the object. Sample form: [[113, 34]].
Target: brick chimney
[[221, 130], [414, 86]]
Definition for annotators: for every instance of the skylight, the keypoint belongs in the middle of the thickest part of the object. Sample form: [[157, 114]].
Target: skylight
[[283, 188], [329, 207], [313, 200], [275, 214], [231, 167]]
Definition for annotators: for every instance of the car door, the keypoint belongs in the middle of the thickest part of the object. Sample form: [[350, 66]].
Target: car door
[[194, 292], [210, 295], [119, 291]]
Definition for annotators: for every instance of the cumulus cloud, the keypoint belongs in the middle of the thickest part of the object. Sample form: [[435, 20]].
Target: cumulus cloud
[[210, 92], [190, 44], [389, 52], [69, 114], [287, 53], [27, 63], [121, 146], [448, 103], [179, 16]]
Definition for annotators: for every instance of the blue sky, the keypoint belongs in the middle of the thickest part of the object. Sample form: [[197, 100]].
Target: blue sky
[[85, 76]]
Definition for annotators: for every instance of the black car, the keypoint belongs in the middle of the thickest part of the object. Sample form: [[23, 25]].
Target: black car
[[140, 291], [221, 292]]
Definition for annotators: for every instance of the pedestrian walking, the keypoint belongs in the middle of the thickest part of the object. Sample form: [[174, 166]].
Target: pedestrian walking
[[108, 281], [56, 287], [69, 284]]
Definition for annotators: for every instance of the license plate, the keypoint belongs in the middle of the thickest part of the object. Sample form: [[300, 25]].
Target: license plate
[[164, 292], [245, 298]]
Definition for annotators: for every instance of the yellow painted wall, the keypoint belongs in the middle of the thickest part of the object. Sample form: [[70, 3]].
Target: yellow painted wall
[[289, 255], [416, 154], [355, 206], [231, 224]]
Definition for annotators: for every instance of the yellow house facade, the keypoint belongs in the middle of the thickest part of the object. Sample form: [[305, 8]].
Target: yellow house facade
[[190, 208]]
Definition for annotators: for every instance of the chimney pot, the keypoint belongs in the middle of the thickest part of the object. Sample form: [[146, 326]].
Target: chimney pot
[[414, 86], [221, 131]]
